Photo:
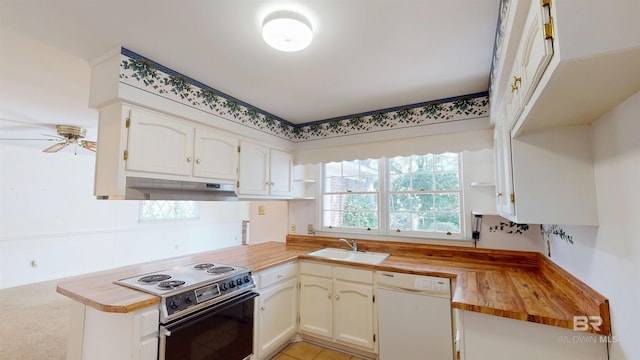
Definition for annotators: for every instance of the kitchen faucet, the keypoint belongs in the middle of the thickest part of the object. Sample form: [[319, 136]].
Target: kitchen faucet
[[352, 245]]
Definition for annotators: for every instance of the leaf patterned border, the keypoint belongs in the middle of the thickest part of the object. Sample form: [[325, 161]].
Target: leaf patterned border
[[147, 75]]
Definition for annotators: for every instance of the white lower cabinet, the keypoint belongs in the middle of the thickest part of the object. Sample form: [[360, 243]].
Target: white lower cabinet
[[484, 337], [337, 304], [276, 309], [97, 335]]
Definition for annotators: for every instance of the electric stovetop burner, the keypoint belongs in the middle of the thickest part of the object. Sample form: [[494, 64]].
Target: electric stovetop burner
[[203, 266], [220, 270], [170, 284]]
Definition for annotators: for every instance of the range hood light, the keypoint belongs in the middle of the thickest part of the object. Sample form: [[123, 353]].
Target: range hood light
[[287, 31]]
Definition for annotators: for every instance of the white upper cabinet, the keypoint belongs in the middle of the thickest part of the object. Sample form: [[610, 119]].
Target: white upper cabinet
[[265, 172], [164, 145], [568, 63], [215, 155], [159, 144], [137, 142]]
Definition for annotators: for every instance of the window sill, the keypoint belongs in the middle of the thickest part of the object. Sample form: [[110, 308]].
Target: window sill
[[397, 238]]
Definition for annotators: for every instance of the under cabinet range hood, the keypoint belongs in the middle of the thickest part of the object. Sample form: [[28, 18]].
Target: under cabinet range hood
[[138, 188]]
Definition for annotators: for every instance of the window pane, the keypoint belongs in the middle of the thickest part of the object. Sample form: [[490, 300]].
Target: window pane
[[399, 165], [448, 222], [399, 202], [422, 182], [399, 221], [447, 181], [423, 202], [422, 164], [400, 182], [423, 221], [447, 202], [332, 218], [168, 210]]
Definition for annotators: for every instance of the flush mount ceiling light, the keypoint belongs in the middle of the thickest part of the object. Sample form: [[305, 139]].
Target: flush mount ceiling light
[[287, 31]]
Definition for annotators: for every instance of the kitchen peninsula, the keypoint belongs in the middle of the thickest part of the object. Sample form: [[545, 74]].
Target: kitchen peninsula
[[508, 284]]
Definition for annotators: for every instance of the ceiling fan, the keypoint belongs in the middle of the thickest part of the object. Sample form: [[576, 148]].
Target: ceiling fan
[[68, 134]]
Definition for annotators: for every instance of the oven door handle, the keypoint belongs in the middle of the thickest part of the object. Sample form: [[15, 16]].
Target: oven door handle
[[167, 332]]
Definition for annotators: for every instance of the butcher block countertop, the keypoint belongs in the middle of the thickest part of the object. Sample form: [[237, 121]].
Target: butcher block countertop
[[513, 284]]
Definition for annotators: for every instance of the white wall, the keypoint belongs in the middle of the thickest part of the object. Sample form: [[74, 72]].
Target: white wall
[[49, 216], [271, 225], [607, 257]]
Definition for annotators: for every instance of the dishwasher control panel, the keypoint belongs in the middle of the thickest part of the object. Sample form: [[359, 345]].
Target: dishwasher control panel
[[429, 285]]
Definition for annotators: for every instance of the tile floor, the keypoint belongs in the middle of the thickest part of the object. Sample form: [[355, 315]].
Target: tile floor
[[307, 351]]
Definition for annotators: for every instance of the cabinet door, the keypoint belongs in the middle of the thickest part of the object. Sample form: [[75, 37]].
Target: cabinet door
[[216, 155], [277, 316], [281, 173], [316, 306], [535, 49], [354, 314], [159, 144], [254, 169]]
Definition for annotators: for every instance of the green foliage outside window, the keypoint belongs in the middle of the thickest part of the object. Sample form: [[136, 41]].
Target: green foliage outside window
[[422, 193]]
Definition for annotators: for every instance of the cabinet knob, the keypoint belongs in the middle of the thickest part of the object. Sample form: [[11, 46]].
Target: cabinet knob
[[189, 159], [337, 297], [262, 308], [499, 194], [329, 296], [198, 161]]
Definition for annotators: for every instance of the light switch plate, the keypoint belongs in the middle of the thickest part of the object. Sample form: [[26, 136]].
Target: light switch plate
[[261, 210]]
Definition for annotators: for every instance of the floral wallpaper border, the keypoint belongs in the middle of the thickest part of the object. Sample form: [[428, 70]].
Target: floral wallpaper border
[[499, 41], [142, 73]]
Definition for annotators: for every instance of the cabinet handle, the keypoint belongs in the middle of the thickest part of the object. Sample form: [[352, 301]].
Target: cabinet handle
[[280, 276], [189, 159], [498, 194], [329, 296], [516, 80], [337, 297], [197, 161]]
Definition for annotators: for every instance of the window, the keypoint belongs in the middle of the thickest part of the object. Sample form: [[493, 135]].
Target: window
[[350, 198], [414, 195], [168, 210]]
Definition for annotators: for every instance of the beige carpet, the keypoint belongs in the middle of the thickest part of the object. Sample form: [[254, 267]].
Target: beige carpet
[[34, 323]]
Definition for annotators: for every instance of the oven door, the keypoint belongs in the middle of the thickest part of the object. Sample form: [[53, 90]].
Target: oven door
[[222, 331]]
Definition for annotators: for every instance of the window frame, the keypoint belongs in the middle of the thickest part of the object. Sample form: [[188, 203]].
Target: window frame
[[383, 212]]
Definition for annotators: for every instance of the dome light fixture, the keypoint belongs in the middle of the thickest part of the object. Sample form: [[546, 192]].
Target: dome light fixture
[[287, 31]]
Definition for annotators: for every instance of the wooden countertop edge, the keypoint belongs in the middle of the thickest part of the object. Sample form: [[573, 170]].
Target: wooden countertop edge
[[122, 309]]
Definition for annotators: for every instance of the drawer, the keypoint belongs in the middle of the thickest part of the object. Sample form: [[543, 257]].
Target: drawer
[[353, 274], [316, 269], [280, 273]]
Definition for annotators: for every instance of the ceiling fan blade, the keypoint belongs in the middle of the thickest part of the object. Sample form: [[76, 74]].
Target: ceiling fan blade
[[89, 145], [28, 139], [54, 137], [55, 148]]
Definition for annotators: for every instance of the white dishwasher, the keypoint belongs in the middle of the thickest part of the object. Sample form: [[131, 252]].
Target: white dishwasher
[[414, 317]]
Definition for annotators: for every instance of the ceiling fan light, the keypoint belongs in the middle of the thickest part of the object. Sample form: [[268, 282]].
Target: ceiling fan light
[[287, 31]]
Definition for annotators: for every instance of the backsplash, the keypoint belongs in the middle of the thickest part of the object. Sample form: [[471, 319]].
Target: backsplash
[[142, 73]]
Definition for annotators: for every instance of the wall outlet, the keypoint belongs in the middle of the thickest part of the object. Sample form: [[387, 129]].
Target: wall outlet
[[261, 210], [292, 228], [310, 230]]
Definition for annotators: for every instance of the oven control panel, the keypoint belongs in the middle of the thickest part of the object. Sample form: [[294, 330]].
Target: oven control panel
[[180, 302]]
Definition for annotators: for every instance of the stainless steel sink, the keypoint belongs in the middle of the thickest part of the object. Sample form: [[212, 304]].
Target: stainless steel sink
[[361, 257]]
